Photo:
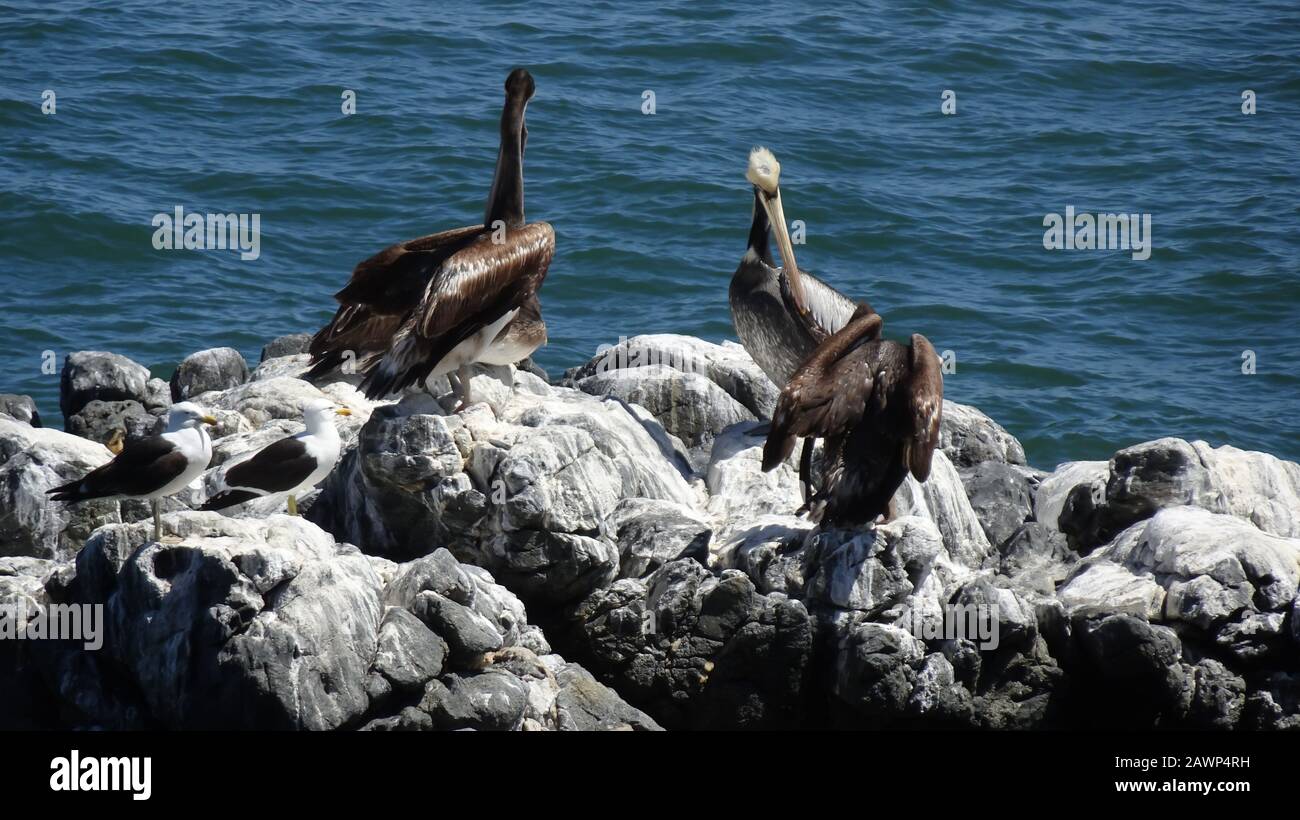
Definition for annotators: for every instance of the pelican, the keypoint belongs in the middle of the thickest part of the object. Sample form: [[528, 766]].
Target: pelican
[[433, 306], [150, 468], [780, 314], [878, 405]]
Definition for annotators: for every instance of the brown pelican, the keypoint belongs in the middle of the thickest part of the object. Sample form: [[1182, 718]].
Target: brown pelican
[[291, 465], [150, 468], [435, 305], [878, 405], [780, 314]]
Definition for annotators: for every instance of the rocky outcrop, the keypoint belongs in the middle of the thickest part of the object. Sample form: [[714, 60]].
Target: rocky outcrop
[[621, 520], [271, 624]]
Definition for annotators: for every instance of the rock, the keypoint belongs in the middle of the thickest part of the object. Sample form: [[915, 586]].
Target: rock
[[1002, 497], [727, 365], [1242, 566], [491, 701], [739, 490], [689, 405], [220, 368], [469, 635], [101, 420], [650, 533], [874, 670], [36, 459], [1170, 472], [89, 375], [294, 366], [1055, 488], [1256, 639], [19, 408], [1036, 557], [158, 397], [586, 705], [1219, 697], [1138, 668], [530, 495], [770, 552], [969, 437], [409, 655], [291, 345], [245, 624], [1102, 587], [696, 650], [942, 499]]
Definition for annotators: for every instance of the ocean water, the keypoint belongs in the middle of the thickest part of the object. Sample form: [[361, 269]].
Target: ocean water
[[937, 219]]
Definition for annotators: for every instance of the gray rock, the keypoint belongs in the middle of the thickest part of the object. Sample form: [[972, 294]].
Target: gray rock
[[20, 408], [698, 651], [89, 375], [689, 405], [1170, 472], [291, 345], [969, 437], [1219, 697], [875, 670], [726, 365], [1036, 557], [101, 420], [408, 654], [220, 368], [1002, 496], [585, 704], [650, 533], [468, 634], [32, 461], [490, 701], [244, 624]]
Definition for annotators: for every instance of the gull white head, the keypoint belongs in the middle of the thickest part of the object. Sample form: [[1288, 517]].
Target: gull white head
[[319, 414], [764, 173], [187, 414]]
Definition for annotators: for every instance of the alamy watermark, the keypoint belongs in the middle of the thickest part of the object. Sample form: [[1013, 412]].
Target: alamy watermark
[[1100, 232], [53, 622], [627, 356], [195, 231], [977, 623]]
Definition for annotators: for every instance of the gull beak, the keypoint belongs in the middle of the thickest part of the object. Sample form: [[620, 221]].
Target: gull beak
[[208, 420], [343, 411]]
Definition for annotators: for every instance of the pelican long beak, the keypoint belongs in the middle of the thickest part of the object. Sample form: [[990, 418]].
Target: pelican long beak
[[776, 216], [209, 420], [343, 411]]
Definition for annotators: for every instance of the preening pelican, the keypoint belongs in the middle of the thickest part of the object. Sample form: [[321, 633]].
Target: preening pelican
[[878, 405], [780, 314], [435, 305]]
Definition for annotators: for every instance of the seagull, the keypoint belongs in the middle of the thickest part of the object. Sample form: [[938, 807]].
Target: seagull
[[150, 468], [291, 465]]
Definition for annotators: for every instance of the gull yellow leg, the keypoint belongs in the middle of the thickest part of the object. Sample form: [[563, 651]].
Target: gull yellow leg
[[293, 506], [157, 520]]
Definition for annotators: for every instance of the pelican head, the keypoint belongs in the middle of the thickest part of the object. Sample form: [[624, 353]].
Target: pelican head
[[520, 85], [764, 173]]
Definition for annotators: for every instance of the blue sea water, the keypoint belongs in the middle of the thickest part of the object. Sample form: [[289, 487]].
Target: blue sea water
[[936, 219]]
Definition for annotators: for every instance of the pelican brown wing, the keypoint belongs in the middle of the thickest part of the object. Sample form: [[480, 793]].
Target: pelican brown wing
[[472, 289], [381, 293]]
